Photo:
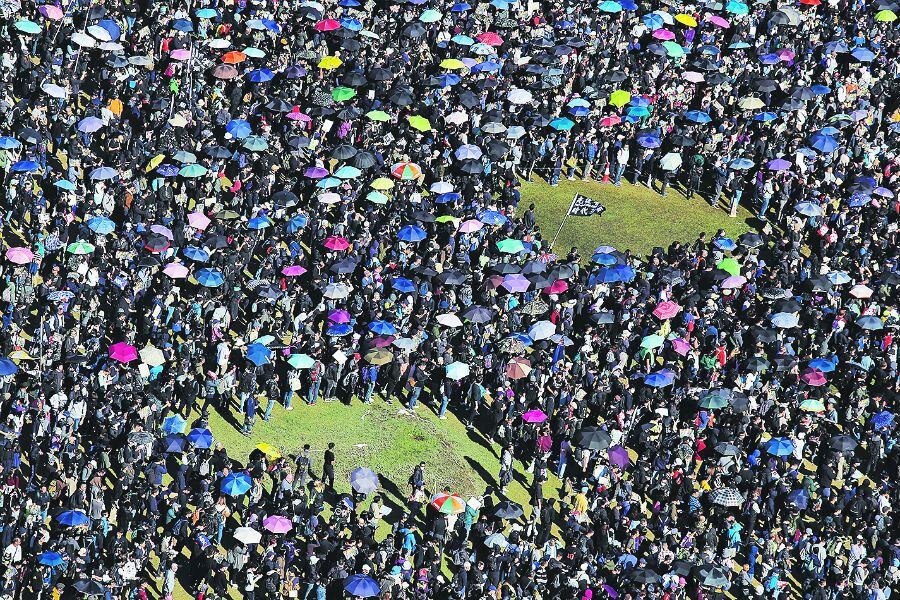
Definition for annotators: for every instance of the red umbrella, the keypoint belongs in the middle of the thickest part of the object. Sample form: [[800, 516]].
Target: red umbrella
[[448, 504], [813, 377], [666, 310], [534, 416], [490, 38], [336, 243], [557, 287], [327, 25], [610, 121], [123, 352]]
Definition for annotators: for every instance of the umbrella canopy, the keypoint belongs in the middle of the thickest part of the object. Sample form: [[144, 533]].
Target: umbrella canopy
[[364, 480], [447, 503]]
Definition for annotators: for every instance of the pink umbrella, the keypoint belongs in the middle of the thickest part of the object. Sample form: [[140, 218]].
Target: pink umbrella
[[516, 283], [277, 524], [861, 291], [51, 12], [680, 346], [339, 316], [693, 76], [383, 341], [718, 21], [666, 310], [293, 271], [296, 115], [493, 282], [663, 34], [813, 377], [490, 38], [610, 121], [733, 282], [19, 255], [180, 54], [162, 230], [123, 352], [557, 287], [336, 243], [534, 416], [176, 270], [786, 55], [470, 226], [198, 220]]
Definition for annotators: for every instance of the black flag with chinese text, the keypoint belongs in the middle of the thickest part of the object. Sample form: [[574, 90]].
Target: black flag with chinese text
[[582, 206]]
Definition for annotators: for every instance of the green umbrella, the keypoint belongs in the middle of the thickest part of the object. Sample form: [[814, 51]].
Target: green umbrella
[[714, 398], [26, 26], [673, 49], [730, 266], [376, 197], [378, 115], [510, 246], [420, 123], [652, 341], [430, 16], [301, 361], [80, 247], [342, 93]]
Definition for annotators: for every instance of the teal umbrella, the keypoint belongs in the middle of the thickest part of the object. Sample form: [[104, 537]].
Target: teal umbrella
[[255, 143], [347, 172], [26, 26], [193, 170]]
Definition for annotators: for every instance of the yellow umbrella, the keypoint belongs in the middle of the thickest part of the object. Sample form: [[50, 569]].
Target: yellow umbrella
[[269, 450], [452, 63], [420, 123], [382, 183], [750, 103], [619, 98], [155, 162], [330, 62], [18, 355], [886, 16], [686, 20]]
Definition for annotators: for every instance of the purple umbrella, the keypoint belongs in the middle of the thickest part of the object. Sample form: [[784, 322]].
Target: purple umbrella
[[779, 164], [516, 283], [534, 416], [339, 316], [618, 456], [315, 172]]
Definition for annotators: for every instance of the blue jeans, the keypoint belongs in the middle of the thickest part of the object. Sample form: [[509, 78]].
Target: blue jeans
[[762, 209], [620, 170], [370, 389], [288, 398], [736, 199], [444, 402], [313, 391], [414, 398], [269, 407]]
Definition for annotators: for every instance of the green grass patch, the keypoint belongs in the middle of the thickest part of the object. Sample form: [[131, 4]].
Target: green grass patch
[[636, 217]]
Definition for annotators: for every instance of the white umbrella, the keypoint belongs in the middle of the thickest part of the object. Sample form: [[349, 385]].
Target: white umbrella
[[457, 118], [151, 356], [99, 33], [449, 320], [55, 91], [541, 330], [441, 187], [219, 44], [670, 161], [112, 46], [336, 291], [519, 96], [83, 40], [247, 535]]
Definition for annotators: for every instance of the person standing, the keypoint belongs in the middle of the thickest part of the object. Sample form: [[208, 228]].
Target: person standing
[[328, 467]]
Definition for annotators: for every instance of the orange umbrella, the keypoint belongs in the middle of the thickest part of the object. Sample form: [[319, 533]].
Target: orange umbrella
[[234, 57]]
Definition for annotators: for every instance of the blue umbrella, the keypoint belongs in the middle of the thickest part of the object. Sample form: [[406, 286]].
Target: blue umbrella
[[769, 59], [258, 354], [741, 163], [823, 143], [362, 586], [697, 116], [101, 225], [638, 111], [339, 330], [780, 446], [492, 217], [259, 223], [89, 124], [726, 244], [8, 143], [200, 438], [50, 559], [579, 111], [809, 209], [606, 276], [297, 223], [460, 7], [785, 320], [167, 170], [765, 117], [103, 173], [411, 233], [351, 24], [799, 498], [447, 197], [562, 124], [174, 443], [271, 25], [609, 6], [207, 13], [649, 140], [883, 419], [329, 182], [447, 80], [822, 364], [660, 378], [235, 484], [403, 285], [863, 54], [7, 367], [261, 75], [820, 90], [870, 323], [24, 166], [72, 518], [195, 253], [639, 101], [182, 25], [604, 259], [210, 277], [239, 128], [653, 21], [174, 424], [623, 272], [382, 328], [628, 5]]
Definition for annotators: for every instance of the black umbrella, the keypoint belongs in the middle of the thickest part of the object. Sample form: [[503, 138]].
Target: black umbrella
[[785, 362], [279, 105], [717, 78], [471, 166], [451, 277], [342, 267], [29, 135], [401, 98], [469, 99], [534, 267], [217, 152], [739, 402], [803, 92], [156, 242], [614, 76], [592, 438], [285, 198], [786, 305], [756, 364], [562, 272], [344, 152], [727, 449], [539, 280], [750, 240], [710, 576], [820, 284], [215, 242], [508, 510], [351, 45], [843, 443], [603, 318], [505, 268], [682, 140], [763, 334], [764, 85], [414, 30], [644, 576], [354, 79], [379, 74], [364, 160], [89, 587]]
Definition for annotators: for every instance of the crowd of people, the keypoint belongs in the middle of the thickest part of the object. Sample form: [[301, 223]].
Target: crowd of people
[[244, 207]]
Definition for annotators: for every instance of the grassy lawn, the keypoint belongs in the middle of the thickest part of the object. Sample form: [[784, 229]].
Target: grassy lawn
[[636, 217]]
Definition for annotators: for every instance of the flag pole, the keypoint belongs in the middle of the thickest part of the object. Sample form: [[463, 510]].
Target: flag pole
[[563, 224]]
